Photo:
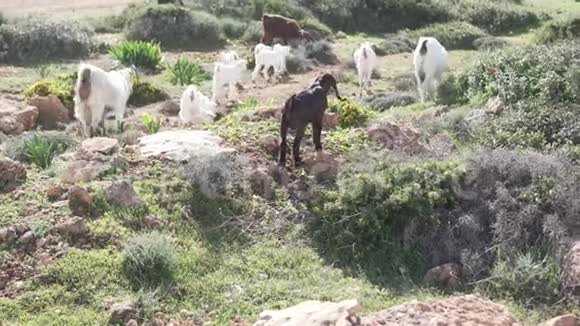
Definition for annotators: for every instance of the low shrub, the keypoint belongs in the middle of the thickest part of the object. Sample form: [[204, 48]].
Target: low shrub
[[279, 7], [109, 24], [297, 62], [3, 19], [145, 93], [61, 87], [495, 18], [152, 125], [185, 72], [490, 43], [350, 114], [530, 279], [40, 151], [233, 28], [384, 102], [450, 90], [138, 53], [539, 72], [40, 40], [452, 35], [253, 33], [149, 260], [16, 149], [562, 29], [405, 82], [175, 28], [317, 29], [394, 44], [322, 51]]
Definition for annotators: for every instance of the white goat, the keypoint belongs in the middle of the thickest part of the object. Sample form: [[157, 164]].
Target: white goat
[[430, 59], [229, 56], [226, 74], [96, 91], [267, 57], [365, 60], [196, 108]]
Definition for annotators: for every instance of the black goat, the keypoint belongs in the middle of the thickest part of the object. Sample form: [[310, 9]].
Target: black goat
[[303, 108]]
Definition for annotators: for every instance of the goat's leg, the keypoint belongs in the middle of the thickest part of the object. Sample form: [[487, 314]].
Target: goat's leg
[[316, 135], [283, 144], [256, 71], [296, 145]]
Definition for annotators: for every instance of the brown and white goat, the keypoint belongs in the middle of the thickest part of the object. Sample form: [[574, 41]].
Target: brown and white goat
[[304, 108], [276, 26]]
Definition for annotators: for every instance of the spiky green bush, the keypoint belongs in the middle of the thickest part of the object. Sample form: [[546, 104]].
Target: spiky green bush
[[152, 125], [138, 53], [40, 151], [185, 72]]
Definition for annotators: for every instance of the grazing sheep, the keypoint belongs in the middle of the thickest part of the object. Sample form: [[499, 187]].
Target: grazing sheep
[[268, 57], [430, 59], [276, 26], [196, 108], [99, 93], [365, 60], [229, 56], [226, 74], [303, 108]]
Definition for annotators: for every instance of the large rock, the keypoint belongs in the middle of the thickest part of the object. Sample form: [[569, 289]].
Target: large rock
[[571, 274], [73, 227], [262, 184], [181, 145], [458, 310], [52, 114], [312, 313], [395, 137], [565, 320], [122, 312], [82, 171], [323, 166], [270, 144], [80, 201], [8, 235], [56, 193], [102, 145], [12, 173], [121, 194], [447, 276], [169, 108], [16, 118]]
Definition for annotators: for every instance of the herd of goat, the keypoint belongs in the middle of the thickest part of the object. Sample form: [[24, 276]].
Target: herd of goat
[[102, 96]]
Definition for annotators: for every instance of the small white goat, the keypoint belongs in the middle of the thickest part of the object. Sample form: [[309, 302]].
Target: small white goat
[[267, 57], [229, 56], [226, 74], [365, 60], [196, 108], [259, 47], [96, 91], [430, 59]]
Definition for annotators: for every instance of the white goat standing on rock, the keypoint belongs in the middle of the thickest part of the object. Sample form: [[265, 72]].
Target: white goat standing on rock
[[365, 60], [270, 57], [196, 108], [226, 75], [99, 93], [430, 59]]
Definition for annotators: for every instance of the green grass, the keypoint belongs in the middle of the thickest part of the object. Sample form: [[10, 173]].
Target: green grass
[[185, 72], [138, 53]]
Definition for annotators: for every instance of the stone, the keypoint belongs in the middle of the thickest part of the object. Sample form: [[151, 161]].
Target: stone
[[261, 183], [440, 146], [270, 144], [79, 201], [16, 118], [7, 236], [565, 320], [27, 239], [312, 313], [169, 108], [456, 310], [329, 120], [12, 174], [122, 312], [181, 145], [447, 276], [122, 195], [323, 166], [102, 145], [571, 270], [260, 115], [73, 227], [52, 114], [56, 193], [132, 322], [395, 137], [494, 105], [279, 174], [81, 171]]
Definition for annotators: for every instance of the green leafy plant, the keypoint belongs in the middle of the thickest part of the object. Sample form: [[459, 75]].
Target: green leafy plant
[[138, 53], [61, 87], [185, 72], [41, 151], [350, 114], [146, 93], [44, 71], [152, 125]]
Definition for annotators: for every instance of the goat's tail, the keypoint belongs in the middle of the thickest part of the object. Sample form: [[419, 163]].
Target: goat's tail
[[365, 55], [423, 50]]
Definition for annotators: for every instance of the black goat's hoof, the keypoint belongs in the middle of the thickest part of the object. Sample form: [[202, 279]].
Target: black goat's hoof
[[298, 164]]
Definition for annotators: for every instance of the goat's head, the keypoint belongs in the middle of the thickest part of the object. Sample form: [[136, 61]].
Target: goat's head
[[327, 81]]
